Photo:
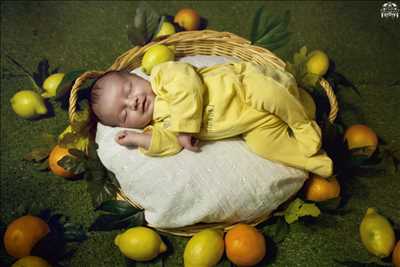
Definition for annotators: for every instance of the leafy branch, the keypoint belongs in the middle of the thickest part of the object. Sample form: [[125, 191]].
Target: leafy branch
[[101, 183], [117, 214], [36, 78], [145, 24], [270, 30]]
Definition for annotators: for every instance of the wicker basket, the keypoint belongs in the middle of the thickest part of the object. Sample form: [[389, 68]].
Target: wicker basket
[[188, 43]]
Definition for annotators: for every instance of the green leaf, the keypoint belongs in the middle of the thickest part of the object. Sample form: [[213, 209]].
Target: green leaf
[[66, 83], [331, 204], [101, 190], [101, 183], [42, 72], [161, 21], [300, 57], [310, 80], [274, 34], [291, 211], [257, 28], [303, 51], [275, 44], [278, 230], [118, 207], [81, 121], [79, 154], [42, 166], [273, 21], [340, 79], [309, 209], [74, 233], [53, 246], [37, 154], [26, 72], [144, 26], [112, 179], [356, 158], [269, 30], [72, 164], [113, 222], [47, 140], [298, 208]]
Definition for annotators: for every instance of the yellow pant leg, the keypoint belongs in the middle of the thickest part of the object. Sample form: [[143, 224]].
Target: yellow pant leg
[[308, 103], [272, 141], [279, 95]]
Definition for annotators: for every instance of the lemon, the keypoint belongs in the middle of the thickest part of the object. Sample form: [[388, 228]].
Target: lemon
[[317, 63], [155, 55], [140, 243], [204, 249], [51, 84], [377, 234], [28, 104], [167, 28], [31, 261]]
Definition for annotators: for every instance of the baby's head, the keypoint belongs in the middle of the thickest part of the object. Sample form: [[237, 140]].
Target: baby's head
[[122, 99]]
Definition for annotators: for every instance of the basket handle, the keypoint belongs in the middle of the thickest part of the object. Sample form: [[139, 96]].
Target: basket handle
[[332, 99], [73, 98]]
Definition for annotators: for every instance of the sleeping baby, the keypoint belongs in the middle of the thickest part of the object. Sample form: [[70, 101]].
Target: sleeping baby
[[181, 105]]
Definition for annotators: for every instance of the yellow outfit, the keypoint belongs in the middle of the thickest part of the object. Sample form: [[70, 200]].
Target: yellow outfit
[[261, 104]]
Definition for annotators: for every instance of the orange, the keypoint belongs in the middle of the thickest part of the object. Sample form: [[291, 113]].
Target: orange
[[22, 234], [57, 154], [396, 255], [358, 136], [188, 19], [244, 245], [318, 188]]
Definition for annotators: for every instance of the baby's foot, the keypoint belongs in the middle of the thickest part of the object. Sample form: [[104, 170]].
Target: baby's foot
[[125, 138]]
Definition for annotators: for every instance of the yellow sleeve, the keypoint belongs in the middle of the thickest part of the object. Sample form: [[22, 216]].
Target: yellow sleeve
[[182, 87], [163, 142]]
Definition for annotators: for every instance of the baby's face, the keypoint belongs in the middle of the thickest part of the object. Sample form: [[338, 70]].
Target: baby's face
[[125, 100]]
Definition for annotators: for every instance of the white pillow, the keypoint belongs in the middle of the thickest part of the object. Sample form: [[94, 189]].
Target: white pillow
[[225, 182]]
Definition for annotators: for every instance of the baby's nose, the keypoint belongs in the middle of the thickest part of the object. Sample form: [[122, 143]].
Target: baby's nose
[[132, 103]]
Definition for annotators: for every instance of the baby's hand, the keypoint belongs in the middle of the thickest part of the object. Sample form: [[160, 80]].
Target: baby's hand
[[189, 142], [125, 138]]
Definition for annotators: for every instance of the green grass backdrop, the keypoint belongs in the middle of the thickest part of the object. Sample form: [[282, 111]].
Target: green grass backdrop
[[91, 34]]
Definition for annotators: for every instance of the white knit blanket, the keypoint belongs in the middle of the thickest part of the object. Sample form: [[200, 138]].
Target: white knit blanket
[[225, 182]]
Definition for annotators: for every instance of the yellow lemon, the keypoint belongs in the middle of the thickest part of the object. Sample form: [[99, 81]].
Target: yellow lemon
[[31, 261], [51, 84], [317, 63], [204, 249], [155, 55], [377, 234], [140, 243], [28, 104], [167, 28]]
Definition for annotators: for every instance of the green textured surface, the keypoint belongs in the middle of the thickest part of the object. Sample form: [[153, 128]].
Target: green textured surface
[[74, 35]]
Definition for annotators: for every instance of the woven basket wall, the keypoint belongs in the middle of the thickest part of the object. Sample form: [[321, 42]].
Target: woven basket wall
[[189, 43]]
